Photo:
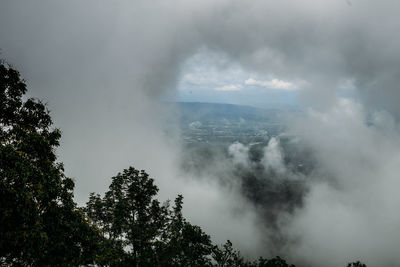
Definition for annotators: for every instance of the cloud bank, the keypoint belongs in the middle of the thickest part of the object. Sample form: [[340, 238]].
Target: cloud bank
[[103, 66]]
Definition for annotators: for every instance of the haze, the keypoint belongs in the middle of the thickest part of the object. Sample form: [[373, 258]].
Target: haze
[[108, 68]]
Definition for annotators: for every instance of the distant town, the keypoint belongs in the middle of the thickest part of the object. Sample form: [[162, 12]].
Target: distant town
[[221, 124]]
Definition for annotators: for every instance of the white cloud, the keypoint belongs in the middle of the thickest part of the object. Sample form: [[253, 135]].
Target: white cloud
[[273, 158], [198, 79], [230, 87], [239, 153], [195, 125], [272, 84]]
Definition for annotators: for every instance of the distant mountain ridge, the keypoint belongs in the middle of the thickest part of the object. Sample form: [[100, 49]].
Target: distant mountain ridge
[[198, 111]]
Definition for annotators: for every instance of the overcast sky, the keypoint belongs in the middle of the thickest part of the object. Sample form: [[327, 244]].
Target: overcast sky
[[104, 67]]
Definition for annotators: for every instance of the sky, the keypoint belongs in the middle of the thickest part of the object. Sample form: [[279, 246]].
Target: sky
[[212, 77], [106, 67]]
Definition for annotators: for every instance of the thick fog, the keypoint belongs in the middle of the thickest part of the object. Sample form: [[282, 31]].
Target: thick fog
[[104, 68]]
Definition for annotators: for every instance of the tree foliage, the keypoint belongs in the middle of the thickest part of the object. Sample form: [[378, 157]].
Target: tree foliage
[[39, 221], [356, 264], [140, 230]]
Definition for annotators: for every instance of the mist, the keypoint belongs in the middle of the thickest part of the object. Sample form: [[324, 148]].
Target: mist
[[105, 68]]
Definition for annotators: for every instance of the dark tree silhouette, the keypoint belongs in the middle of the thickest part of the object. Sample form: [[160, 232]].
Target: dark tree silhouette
[[39, 221], [356, 264], [139, 231]]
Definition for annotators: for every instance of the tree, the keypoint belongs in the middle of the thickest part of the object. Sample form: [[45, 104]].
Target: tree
[[226, 256], [274, 262], [139, 231], [356, 264], [39, 221], [128, 218], [184, 244]]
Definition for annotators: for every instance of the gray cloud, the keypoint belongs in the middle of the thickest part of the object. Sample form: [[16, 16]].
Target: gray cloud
[[348, 211], [103, 67]]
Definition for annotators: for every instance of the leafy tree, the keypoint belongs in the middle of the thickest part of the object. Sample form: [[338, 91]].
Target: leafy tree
[[356, 264], [274, 262], [128, 218], [226, 256], [184, 244], [138, 230], [39, 221]]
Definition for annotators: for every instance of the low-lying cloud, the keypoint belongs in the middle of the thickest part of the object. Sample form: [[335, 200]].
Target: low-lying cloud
[[348, 212], [104, 66]]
